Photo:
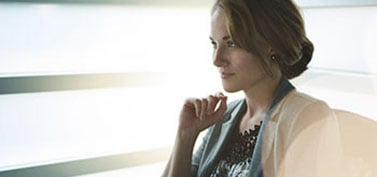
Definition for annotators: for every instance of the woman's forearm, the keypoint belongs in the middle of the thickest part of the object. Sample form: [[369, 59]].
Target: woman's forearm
[[179, 164]]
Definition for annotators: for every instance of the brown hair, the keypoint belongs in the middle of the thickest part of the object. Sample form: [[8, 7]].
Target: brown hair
[[256, 24]]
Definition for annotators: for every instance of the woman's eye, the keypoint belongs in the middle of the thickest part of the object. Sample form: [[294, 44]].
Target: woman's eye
[[231, 44], [214, 44]]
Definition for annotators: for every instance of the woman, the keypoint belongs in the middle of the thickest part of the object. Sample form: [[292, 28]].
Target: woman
[[275, 131]]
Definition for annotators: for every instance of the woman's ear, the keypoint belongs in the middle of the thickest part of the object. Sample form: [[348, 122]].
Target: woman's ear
[[272, 54]]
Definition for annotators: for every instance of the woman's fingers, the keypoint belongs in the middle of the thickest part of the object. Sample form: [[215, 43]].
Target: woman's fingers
[[219, 94], [198, 107], [217, 115], [222, 108], [199, 114], [206, 107], [212, 102], [203, 111]]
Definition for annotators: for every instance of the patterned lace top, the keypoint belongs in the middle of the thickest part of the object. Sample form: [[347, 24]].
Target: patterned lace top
[[236, 159]]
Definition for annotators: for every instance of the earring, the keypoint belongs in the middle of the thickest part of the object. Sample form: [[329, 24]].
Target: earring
[[273, 57]]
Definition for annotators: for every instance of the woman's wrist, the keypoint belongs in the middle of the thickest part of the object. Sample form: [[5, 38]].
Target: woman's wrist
[[187, 137]]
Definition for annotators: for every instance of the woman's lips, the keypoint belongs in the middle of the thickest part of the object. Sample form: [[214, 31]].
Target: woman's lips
[[225, 75]]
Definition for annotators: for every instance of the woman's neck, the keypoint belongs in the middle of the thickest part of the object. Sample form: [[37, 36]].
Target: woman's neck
[[258, 100], [259, 97]]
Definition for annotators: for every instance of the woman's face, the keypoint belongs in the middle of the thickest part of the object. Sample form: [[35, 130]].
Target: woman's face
[[239, 69]]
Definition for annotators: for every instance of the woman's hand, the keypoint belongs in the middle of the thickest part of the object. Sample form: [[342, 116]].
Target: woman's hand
[[198, 114]]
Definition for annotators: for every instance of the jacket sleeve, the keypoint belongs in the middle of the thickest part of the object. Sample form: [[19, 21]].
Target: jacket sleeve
[[198, 155]]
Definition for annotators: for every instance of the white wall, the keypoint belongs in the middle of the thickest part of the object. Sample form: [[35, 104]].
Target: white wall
[[49, 39], [345, 38]]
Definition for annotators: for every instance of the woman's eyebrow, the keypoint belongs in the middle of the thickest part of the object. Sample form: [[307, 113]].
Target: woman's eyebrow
[[224, 38]]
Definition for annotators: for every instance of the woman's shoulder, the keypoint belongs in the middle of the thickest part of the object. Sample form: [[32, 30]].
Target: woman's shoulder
[[299, 112], [300, 105], [298, 100]]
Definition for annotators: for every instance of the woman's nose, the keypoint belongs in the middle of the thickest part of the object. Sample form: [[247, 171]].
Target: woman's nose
[[218, 57]]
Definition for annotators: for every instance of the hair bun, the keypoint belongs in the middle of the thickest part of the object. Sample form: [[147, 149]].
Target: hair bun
[[301, 65]]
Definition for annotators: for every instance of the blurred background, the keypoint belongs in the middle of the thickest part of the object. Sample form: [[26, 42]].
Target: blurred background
[[94, 87]]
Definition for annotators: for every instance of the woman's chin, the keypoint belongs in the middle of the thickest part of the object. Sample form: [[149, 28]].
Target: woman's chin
[[230, 89]]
